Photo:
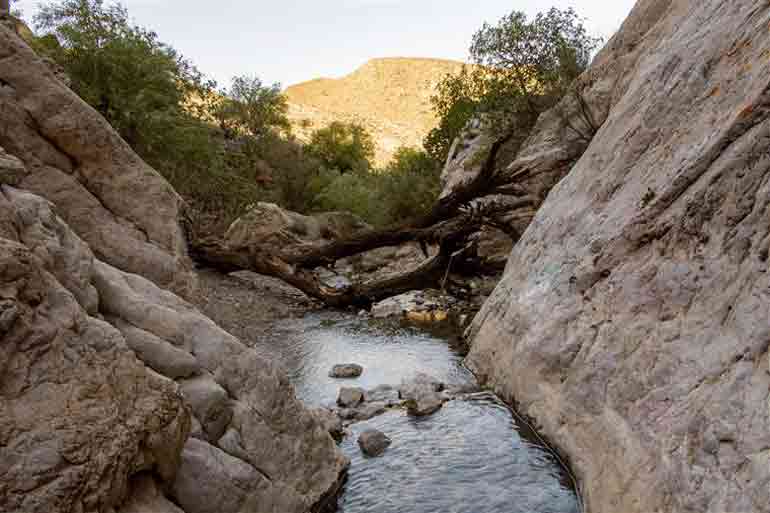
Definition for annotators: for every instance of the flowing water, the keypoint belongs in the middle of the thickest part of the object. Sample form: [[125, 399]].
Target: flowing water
[[469, 457]]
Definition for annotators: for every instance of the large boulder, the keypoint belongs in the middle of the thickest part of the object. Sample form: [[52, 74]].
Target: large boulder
[[124, 210], [276, 230], [57, 356], [270, 227], [86, 261], [632, 318], [79, 414], [373, 443], [251, 435]]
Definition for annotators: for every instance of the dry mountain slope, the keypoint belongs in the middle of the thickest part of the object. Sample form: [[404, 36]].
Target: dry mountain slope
[[390, 97]]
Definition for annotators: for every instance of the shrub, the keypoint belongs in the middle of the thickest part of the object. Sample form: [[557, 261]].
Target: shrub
[[404, 190], [343, 146]]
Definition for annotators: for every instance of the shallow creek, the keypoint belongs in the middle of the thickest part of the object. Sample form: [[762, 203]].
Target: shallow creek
[[469, 457]]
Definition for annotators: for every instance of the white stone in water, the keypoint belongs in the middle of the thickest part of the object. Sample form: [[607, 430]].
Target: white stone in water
[[346, 370]]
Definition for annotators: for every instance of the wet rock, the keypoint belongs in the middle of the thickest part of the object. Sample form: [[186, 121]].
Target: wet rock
[[423, 395], [418, 306], [373, 443], [350, 397], [383, 393], [424, 404], [364, 411], [346, 370], [331, 422], [469, 388]]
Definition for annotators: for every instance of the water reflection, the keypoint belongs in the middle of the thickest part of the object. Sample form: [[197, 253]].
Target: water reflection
[[469, 457], [389, 353]]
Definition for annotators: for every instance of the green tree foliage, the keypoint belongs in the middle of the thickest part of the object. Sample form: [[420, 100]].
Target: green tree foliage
[[342, 146], [144, 88], [251, 108], [355, 192], [411, 185], [406, 188], [455, 102], [295, 177], [520, 68], [223, 151], [534, 61], [136, 82]]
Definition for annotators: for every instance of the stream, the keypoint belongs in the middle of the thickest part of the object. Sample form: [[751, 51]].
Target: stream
[[469, 457]]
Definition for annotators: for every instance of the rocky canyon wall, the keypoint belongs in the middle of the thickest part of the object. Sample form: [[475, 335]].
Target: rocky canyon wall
[[631, 322], [116, 394]]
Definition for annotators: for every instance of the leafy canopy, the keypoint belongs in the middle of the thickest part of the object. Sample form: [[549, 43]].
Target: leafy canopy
[[520, 68], [342, 146], [250, 107], [406, 188]]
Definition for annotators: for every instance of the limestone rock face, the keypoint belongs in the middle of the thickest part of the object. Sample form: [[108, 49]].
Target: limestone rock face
[[126, 212], [255, 447], [79, 414], [100, 417], [632, 318], [104, 372]]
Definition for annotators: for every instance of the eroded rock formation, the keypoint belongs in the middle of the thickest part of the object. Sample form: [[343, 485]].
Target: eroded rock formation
[[632, 318], [79, 414], [73, 158], [116, 394]]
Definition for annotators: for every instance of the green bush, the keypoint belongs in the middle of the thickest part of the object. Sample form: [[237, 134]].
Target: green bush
[[342, 146], [410, 185], [405, 189]]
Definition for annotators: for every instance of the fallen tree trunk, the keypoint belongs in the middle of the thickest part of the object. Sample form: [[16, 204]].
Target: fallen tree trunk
[[449, 224], [451, 237], [216, 256], [422, 229]]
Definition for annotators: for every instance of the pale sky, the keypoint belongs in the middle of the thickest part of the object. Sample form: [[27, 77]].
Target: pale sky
[[291, 41]]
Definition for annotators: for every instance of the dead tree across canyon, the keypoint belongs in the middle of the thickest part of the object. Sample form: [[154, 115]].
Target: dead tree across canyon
[[449, 225]]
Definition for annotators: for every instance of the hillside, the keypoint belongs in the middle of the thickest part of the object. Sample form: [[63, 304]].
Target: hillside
[[390, 97]]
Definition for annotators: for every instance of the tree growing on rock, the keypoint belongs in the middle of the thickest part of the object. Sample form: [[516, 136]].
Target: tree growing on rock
[[520, 68]]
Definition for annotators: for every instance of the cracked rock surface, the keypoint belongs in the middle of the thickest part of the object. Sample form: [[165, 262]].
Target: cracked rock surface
[[116, 394], [632, 318]]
